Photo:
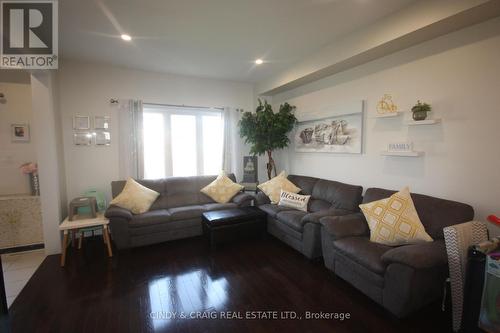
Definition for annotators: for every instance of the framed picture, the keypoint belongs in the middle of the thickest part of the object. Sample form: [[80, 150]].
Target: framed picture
[[82, 138], [101, 122], [342, 133], [102, 138], [81, 122], [250, 169], [20, 132]]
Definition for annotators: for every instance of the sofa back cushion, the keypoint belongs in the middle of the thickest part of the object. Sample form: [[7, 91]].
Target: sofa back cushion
[[174, 191], [327, 194], [434, 213]]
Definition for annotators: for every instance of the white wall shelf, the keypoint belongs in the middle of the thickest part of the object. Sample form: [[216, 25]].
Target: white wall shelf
[[423, 122], [388, 115], [402, 153]]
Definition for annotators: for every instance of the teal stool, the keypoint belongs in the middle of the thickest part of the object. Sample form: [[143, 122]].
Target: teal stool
[[101, 207]]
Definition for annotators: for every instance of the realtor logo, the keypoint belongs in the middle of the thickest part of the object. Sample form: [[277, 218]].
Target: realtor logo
[[29, 35]]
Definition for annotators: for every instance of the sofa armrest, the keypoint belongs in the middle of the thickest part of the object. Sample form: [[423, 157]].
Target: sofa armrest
[[115, 211], [352, 225], [424, 255], [316, 216], [261, 199], [242, 199]]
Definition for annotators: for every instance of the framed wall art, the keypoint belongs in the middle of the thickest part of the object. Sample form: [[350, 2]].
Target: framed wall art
[[82, 138], [102, 138], [102, 122], [332, 134], [81, 122], [20, 133]]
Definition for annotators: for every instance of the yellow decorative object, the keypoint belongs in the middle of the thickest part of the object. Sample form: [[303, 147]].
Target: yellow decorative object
[[222, 189], [386, 105], [135, 197], [394, 221], [272, 188]]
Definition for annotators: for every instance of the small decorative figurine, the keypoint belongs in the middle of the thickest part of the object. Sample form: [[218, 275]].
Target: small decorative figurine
[[386, 105]]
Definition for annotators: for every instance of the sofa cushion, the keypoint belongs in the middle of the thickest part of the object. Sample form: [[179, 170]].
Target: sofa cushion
[[316, 205], [186, 212], [435, 213], [292, 218], [364, 252], [394, 220], [135, 197], [339, 195], [218, 206], [157, 185], [272, 188], [305, 183], [150, 218], [273, 209], [222, 189], [294, 200]]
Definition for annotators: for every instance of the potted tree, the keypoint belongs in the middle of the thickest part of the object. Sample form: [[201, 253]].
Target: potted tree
[[420, 110], [267, 131]]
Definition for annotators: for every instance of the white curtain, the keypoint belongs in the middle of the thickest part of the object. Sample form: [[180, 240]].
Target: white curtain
[[231, 138], [131, 152]]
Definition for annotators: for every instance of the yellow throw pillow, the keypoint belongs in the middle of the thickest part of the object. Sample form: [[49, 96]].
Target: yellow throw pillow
[[135, 197], [394, 220], [272, 188], [222, 189]]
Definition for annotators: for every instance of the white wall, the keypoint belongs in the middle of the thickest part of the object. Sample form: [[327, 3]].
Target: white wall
[[86, 89], [16, 109], [459, 74], [47, 138]]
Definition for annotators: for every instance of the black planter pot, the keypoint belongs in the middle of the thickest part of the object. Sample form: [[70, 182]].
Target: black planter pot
[[419, 115]]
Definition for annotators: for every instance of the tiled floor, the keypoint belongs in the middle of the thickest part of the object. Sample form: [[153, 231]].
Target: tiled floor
[[18, 269]]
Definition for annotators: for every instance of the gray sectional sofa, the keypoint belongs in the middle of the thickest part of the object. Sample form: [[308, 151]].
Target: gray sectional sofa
[[175, 214], [402, 279], [302, 230]]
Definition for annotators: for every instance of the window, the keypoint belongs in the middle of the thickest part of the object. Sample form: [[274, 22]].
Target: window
[[182, 141]]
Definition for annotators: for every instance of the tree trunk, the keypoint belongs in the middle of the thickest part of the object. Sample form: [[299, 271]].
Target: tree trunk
[[270, 165]]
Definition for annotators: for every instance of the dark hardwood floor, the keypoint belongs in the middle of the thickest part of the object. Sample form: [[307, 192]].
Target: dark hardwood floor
[[137, 290]]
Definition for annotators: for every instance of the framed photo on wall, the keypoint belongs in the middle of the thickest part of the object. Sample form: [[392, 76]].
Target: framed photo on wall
[[82, 138], [333, 129], [81, 122], [20, 132], [102, 138], [101, 122]]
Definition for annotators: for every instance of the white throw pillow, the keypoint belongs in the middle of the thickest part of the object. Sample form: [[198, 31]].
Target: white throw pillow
[[222, 189], [272, 188], [294, 200], [135, 197]]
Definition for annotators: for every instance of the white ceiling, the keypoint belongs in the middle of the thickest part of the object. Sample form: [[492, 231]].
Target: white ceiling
[[210, 38]]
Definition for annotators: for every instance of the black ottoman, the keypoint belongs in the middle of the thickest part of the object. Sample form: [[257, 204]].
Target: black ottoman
[[235, 223]]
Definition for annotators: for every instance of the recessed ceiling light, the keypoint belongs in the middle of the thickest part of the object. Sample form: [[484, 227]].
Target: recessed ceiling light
[[259, 61], [126, 37]]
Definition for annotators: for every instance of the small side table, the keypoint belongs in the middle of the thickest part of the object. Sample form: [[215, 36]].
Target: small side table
[[81, 222]]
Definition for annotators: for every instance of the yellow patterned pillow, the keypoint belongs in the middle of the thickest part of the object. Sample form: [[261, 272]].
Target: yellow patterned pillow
[[222, 189], [394, 220], [272, 188], [135, 197]]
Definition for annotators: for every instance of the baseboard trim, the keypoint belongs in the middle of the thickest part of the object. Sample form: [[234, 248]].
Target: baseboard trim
[[22, 248]]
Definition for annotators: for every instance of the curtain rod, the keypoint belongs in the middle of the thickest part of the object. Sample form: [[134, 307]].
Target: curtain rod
[[185, 106], [115, 101]]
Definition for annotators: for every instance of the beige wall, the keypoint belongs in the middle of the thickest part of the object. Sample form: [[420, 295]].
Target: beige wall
[[86, 89], [15, 110], [459, 74]]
